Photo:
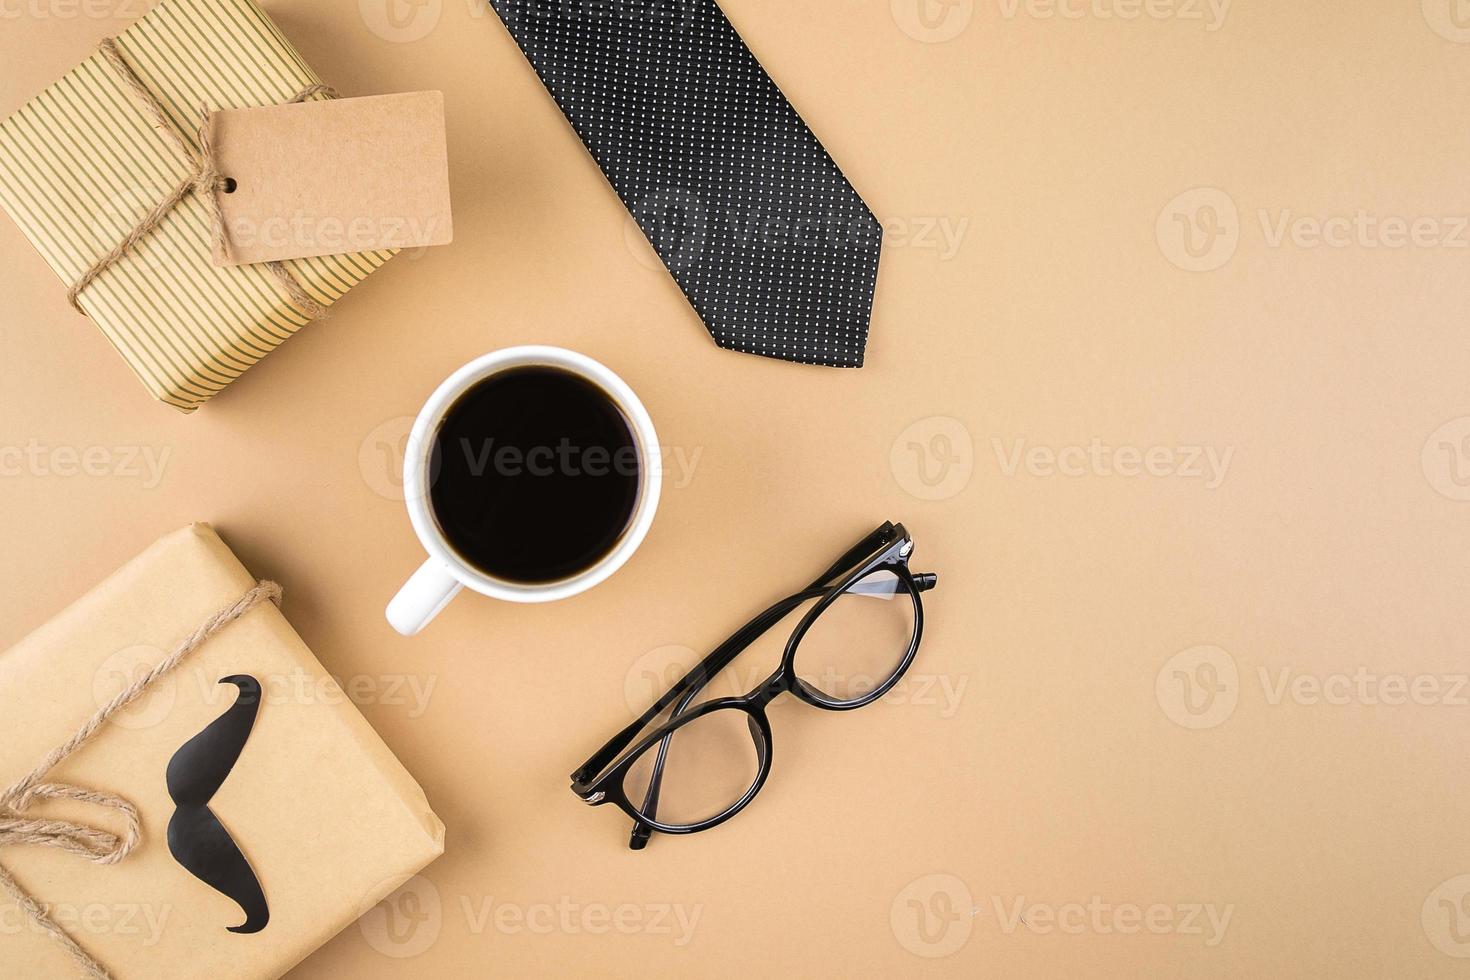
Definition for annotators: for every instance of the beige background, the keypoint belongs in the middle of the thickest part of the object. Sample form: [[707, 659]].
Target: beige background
[[1073, 608]]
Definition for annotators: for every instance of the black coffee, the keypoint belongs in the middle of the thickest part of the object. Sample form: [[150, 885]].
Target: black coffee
[[534, 475]]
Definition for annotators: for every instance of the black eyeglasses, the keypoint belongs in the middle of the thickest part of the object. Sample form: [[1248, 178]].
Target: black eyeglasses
[[707, 762]]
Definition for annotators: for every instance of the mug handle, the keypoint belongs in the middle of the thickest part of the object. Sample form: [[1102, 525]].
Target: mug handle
[[422, 597]]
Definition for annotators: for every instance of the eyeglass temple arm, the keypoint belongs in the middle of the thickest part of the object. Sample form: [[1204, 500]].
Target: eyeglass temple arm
[[863, 549]]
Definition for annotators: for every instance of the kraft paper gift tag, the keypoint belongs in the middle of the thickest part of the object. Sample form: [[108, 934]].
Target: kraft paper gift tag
[[85, 161], [319, 178], [327, 819]]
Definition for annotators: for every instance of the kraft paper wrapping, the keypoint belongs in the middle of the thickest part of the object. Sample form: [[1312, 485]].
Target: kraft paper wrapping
[[81, 164], [327, 817]]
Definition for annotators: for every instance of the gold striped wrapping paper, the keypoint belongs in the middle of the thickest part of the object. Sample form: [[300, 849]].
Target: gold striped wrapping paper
[[81, 164]]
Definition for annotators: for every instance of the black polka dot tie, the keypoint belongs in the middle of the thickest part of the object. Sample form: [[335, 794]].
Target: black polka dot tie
[[775, 250]]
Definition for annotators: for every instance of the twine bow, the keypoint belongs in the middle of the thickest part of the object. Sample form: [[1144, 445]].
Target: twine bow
[[17, 826], [206, 182]]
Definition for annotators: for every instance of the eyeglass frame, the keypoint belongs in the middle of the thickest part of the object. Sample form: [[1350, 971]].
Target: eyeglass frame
[[599, 780]]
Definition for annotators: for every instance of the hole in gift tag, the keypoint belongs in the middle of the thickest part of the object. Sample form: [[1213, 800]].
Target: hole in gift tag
[[229, 185]]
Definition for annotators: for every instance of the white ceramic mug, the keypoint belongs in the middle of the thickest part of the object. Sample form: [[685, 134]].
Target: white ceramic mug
[[445, 573]]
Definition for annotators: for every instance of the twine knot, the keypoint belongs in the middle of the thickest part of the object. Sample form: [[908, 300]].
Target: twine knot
[[209, 181], [98, 846]]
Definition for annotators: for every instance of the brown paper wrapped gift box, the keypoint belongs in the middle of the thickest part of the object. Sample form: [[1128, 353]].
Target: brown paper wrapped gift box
[[81, 165], [327, 817]]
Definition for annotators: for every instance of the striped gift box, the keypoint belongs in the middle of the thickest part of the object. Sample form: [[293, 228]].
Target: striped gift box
[[81, 164]]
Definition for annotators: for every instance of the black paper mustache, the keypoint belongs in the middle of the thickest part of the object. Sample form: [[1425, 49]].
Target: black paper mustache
[[196, 838]]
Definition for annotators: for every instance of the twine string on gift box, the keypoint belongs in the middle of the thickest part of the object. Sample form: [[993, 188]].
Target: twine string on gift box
[[206, 182], [99, 846]]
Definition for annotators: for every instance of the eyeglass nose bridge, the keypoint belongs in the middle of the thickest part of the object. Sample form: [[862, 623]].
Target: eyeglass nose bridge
[[769, 690]]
